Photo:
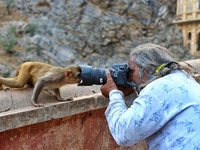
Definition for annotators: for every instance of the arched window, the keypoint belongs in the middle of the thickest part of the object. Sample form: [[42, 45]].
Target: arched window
[[198, 4], [190, 6], [198, 42], [180, 6], [189, 36]]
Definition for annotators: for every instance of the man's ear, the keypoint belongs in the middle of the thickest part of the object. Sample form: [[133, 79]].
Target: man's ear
[[68, 73]]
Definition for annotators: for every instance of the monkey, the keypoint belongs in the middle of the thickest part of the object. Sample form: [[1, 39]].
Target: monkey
[[42, 76]]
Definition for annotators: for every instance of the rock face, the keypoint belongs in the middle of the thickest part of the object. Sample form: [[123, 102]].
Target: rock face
[[92, 32]]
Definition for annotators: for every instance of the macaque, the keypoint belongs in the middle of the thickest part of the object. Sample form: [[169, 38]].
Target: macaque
[[42, 76]]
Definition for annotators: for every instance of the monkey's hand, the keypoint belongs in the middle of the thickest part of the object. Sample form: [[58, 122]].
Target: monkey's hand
[[59, 97], [38, 104], [69, 99], [62, 99], [35, 102]]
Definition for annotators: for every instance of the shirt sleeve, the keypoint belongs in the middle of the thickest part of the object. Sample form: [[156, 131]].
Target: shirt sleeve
[[130, 125]]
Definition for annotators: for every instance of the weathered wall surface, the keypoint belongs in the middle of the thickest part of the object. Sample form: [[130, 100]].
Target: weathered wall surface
[[84, 131]]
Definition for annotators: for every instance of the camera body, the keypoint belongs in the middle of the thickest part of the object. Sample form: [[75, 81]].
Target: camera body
[[119, 73], [91, 75]]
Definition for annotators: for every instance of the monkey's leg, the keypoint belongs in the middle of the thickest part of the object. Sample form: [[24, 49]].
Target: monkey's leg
[[58, 96], [16, 82], [36, 91]]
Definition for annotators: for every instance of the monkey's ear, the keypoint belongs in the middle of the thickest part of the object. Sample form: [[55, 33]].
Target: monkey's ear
[[68, 73]]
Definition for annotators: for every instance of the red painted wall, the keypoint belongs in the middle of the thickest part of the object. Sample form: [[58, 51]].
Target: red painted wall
[[85, 131]]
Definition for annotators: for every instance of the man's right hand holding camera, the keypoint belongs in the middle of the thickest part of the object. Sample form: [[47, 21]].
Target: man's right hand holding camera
[[110, 85]]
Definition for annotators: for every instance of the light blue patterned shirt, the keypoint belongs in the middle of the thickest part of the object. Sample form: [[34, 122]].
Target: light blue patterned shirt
[[166, 114]]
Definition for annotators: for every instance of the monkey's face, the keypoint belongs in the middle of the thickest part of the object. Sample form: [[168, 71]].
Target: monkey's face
[[73, 74]]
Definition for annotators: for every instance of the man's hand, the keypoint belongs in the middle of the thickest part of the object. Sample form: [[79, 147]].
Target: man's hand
[[109, 86]]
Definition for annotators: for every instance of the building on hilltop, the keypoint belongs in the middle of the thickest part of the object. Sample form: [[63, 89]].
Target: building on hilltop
[[188, 12]]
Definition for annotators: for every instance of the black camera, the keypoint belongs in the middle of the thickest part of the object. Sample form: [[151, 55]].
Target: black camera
[[119, 73]]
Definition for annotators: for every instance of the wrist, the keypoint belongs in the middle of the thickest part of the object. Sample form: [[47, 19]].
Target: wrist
[[115, 91]]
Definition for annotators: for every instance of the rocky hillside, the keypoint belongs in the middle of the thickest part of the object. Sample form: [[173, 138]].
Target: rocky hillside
[[92, 32]]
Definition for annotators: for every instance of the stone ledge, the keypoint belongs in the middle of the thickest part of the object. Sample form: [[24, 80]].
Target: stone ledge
[[19, 112]]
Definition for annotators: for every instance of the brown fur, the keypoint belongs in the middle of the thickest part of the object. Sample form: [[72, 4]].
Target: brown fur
[[42, 76]]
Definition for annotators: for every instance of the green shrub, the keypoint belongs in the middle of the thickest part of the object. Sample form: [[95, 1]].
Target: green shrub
[[9, 4], [8, 41], [30, 28], [5, 74]]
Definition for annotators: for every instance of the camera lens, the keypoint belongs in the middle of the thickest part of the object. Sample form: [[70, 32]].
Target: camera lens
[[91, 75]]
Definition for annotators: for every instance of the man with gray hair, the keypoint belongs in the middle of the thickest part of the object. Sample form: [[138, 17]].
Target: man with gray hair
[[166, 112]]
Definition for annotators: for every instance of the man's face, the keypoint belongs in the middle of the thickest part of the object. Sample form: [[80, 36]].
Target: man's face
[[135, 72]]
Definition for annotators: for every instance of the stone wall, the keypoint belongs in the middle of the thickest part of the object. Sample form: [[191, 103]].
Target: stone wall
[[83, 131], [76, 125]]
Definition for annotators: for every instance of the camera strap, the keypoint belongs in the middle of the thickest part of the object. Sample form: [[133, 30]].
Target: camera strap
[[162, 66], [130, 83]]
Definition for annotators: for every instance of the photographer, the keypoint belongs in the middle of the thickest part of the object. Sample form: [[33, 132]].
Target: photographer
[[166, 112]]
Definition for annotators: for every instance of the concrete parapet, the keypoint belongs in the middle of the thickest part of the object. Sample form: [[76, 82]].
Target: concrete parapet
[[74, 125], [17, 111]]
